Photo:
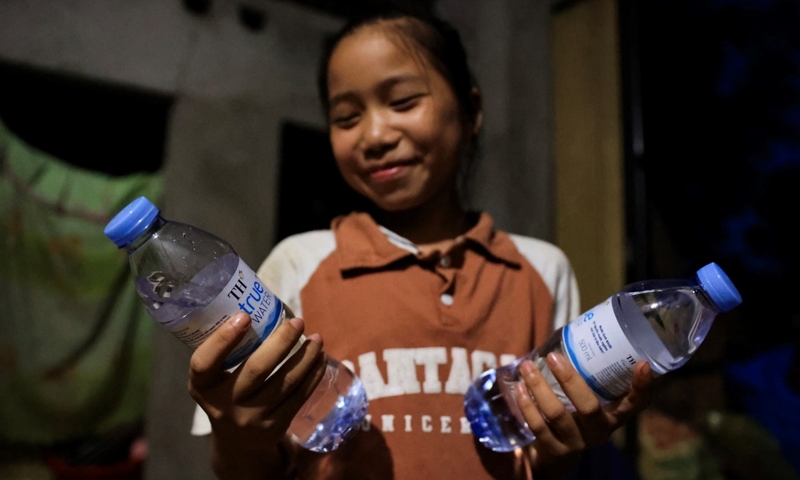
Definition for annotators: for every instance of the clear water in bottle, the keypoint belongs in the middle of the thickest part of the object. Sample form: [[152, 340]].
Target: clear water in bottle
[[191, 282], [660, 321], [337, 407], [490, 403], [334, 412], [169, 299]]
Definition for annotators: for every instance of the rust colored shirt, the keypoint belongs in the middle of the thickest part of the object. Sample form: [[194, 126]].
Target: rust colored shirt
[[418, 329]]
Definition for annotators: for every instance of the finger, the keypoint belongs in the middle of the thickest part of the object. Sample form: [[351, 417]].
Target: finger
[[530, 412], [592, 421], [558, 418], [292, 374], [252, 373], [639, 396], [642, 386], [292, 405], [205, 366], [574, 386]]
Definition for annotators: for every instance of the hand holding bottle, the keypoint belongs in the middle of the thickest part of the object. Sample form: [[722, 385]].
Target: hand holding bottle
[[192, 282], [250, 408], [561, 434], [662, 322]]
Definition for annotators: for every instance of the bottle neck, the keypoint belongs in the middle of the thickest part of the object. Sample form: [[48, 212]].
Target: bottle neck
[[145, 236], [707, 299]]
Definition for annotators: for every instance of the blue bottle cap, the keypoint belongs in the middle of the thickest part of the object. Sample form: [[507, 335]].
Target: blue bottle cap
[[131, 221], [719, 287]]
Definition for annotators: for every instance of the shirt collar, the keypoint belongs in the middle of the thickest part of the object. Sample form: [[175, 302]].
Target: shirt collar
[[363, 244], [493, 243]]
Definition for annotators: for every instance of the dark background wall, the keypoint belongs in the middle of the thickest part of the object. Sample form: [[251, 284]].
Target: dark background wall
[[721, 110], [712, 110]]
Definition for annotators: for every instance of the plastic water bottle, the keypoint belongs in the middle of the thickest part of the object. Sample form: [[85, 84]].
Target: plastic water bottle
[[191, 282], [660, 321]]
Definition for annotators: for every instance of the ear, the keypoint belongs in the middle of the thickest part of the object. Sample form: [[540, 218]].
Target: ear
[[476, 98]]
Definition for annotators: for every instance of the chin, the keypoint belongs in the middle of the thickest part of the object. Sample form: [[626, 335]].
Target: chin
[[398, 203]]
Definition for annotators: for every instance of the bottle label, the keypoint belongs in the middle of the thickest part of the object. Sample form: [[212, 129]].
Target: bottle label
[[245, 292], [600, 351]]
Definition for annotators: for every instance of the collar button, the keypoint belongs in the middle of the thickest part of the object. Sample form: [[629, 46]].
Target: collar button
[[446, 299]]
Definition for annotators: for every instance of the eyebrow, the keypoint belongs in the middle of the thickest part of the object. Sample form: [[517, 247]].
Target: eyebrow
[[384, 85]]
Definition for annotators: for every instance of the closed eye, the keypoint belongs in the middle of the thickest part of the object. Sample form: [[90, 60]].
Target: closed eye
[[406, 103], [345, 121]]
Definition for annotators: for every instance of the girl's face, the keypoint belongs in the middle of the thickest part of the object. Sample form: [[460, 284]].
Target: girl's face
[[395, 124]]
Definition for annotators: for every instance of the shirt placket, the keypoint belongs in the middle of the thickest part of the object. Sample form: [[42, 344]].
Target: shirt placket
[[447, 270]]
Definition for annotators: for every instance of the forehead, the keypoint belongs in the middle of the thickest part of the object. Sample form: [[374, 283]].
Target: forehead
[[371, 53]]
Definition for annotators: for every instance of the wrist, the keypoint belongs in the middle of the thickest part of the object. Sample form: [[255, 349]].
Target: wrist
[[233, 462], [552, 468]]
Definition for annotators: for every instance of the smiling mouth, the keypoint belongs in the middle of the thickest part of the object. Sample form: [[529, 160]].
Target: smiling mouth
[[386, 174], [389, 172]]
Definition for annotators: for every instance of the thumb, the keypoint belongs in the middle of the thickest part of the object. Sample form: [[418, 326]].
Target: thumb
[[205, 366]]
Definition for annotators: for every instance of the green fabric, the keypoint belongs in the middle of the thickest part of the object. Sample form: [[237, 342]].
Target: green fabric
[[74, 338]]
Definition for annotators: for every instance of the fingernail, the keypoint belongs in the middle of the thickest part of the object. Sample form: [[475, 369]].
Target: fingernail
[[556, 361], [315, 337], [526, 368], [522, 389], [239, 320], [647, 369], [297, 323]]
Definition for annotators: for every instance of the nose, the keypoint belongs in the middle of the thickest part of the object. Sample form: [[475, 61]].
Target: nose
[[378, 135]]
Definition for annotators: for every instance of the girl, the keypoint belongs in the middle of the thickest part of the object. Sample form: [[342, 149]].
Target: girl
[[419, 295]]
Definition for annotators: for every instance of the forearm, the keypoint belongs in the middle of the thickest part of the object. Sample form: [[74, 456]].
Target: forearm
[[231, 463]]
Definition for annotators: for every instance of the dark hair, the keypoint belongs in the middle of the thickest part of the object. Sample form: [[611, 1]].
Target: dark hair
[[437, 40], [441, 45]]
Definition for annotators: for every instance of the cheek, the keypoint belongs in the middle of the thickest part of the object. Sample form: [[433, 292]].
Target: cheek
[[424, 128], [346, 162], [438, 129], [341, 146], [447, 143]]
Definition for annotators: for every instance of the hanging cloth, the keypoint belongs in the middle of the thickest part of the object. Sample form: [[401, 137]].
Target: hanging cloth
[[75, 346]]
